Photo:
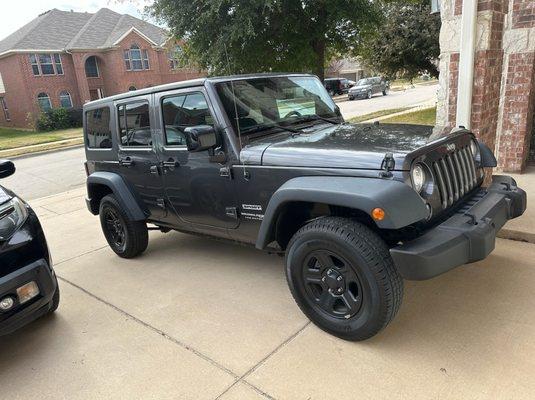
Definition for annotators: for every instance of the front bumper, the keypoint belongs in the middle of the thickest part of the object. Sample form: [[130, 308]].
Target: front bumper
[[466, 237], [22, 314], [358, 95]]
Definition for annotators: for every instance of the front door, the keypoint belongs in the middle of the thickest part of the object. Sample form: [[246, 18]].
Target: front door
[[138, 161], [197, 187]]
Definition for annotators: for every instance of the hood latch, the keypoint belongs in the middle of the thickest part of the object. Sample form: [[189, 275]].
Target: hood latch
[[387, 165]]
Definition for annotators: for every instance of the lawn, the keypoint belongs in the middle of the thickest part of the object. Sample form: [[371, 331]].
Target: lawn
[[13, 138], [377, 114], [426, 116]]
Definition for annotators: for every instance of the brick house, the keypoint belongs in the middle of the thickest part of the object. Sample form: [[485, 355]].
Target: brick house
[[64, 59], [501, 99]]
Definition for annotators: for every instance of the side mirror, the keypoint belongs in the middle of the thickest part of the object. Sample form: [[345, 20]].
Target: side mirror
[[201, 138], [7, 168]]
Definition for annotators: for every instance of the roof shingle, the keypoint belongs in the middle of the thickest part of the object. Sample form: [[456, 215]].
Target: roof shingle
[[67, 30]]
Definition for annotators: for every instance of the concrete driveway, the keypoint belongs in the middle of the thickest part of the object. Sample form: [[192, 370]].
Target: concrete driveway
[[200, 319]]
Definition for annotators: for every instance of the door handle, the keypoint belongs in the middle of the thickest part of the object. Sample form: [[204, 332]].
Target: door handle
[[170, 164], [126, 162]]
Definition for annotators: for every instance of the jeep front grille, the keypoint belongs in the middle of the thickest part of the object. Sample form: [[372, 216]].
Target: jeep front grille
[[456, 175]]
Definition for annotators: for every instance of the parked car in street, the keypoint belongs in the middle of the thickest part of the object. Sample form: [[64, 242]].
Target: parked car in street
[[28, 284], [367, 87], [337, 86], [267, 160]]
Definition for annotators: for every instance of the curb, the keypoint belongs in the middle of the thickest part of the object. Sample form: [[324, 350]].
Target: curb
[[517, 236], [37, 151], [410, 110]]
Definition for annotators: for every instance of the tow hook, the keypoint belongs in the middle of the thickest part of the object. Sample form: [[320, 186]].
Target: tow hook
[[387, 165]]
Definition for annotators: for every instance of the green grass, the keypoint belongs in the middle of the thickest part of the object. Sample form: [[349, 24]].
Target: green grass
[[377, 114], [426, 116], [13, 138]]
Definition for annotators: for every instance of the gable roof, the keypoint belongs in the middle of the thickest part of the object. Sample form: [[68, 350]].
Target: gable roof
[[66, 30]]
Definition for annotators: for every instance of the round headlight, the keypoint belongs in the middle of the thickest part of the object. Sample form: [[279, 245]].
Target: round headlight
[[418, 177]]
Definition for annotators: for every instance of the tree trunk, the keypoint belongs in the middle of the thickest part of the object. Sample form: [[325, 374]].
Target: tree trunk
[[319, 50]]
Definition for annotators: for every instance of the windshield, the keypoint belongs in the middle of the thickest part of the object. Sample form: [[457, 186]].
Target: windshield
[[363, 82], [258, 103]]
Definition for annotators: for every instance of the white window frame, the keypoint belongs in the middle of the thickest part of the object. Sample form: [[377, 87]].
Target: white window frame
[[7, 116], [65, 94], [143, 59], [37, 63], [43, 97]]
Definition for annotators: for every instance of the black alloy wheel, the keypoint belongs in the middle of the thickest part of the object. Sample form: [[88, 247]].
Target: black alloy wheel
[[332, 284], [116, 229]]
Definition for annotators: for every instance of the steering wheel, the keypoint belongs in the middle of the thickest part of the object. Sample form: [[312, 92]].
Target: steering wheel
[[293, 113]]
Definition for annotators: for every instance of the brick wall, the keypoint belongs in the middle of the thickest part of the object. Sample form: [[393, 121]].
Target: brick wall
[[16, 95], [517, 120], [523, 14]]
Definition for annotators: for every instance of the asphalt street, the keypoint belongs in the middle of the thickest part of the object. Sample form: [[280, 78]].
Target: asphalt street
[[57, 172]]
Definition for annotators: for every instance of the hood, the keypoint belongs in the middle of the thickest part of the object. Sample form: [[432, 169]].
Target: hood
[[354, 146]]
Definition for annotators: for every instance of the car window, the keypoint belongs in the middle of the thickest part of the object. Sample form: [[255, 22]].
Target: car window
[[134, 125], [181, 111], [98, 132]]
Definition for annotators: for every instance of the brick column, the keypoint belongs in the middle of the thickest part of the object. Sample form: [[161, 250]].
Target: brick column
[[79, 68], [515, 127]]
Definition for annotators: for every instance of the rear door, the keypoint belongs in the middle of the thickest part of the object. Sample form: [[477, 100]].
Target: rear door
[[138, 161]]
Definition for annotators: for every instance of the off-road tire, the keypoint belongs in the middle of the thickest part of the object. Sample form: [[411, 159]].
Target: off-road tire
[[369, 260], [136, 236]]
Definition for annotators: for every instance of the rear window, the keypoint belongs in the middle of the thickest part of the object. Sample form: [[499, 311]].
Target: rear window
[[98, 132]]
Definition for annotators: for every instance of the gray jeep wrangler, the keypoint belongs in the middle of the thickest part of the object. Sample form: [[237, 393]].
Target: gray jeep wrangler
[[268, 160]]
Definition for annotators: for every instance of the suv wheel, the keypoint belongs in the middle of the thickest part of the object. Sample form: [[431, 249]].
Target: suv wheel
[[385, 92], [369, 94], [342, 277], [126, 238]]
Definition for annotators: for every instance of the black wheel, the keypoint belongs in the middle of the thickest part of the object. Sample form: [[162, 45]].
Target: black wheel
[[385, 92], [369, 94], [54, 304], [126, 238], [342, 277], [351, 98]]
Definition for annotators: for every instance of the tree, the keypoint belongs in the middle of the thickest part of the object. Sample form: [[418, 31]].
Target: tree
[[232, 36], [406, 42]]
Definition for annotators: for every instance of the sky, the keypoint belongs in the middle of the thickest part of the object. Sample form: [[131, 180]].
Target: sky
[[17, 13]]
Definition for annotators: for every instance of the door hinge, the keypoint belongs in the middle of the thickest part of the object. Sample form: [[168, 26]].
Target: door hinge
[[160, 203], [225, 172], [232, 212]]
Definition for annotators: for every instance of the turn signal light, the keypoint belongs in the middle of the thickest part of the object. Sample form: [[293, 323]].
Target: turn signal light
[[27, 292], [378, 214]]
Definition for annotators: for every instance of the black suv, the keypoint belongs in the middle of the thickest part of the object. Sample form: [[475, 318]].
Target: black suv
[[267, 160], [28, 285], [337, 86]]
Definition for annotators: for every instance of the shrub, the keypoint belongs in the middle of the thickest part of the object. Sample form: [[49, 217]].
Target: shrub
[[59, 118]]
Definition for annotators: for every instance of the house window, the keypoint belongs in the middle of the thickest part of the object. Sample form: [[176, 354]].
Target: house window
[[136, 59], [65, 100], [46, 64], [44, 101], [4, 107], [175, 57], [91, 67]]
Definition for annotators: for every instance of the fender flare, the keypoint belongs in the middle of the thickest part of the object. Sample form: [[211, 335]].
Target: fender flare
[[121, 191], [402, 205]]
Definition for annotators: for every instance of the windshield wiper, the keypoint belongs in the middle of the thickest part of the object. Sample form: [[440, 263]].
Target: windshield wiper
[[264, 127], [314, 117]]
